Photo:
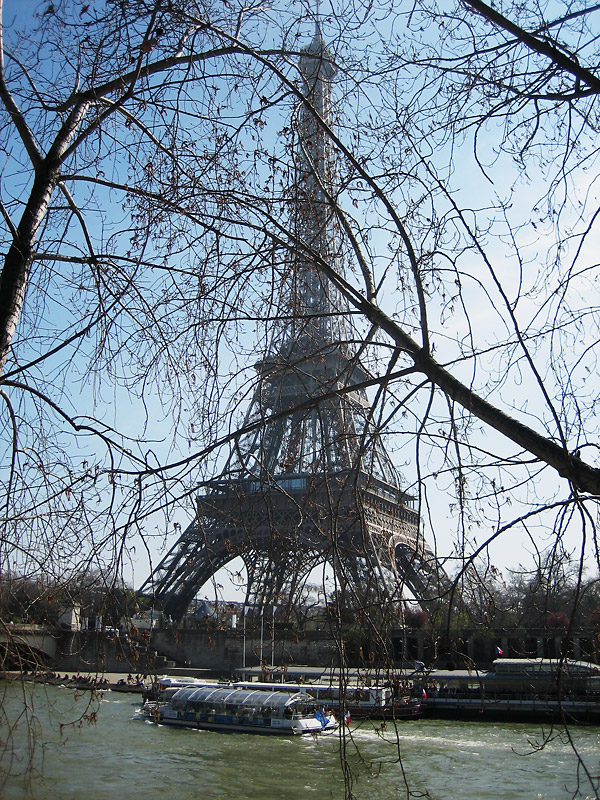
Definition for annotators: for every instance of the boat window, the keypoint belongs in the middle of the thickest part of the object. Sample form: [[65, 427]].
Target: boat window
[[325, 694]]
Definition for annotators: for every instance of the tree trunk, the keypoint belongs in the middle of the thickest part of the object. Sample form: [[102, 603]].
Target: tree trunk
[[17, 263]]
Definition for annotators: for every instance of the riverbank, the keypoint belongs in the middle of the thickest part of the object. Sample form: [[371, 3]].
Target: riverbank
[[458, 705], [115, 681]]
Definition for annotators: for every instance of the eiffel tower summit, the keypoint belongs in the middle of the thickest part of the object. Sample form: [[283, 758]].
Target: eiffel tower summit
[[312, 485]]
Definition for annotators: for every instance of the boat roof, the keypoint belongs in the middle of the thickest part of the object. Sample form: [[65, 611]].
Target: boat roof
[[241, 697], [184, 680], [324, 675], [306, 687], [515, 669], [543, 665]]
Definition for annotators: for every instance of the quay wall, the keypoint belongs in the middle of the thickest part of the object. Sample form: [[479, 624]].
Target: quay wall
[[222, 651], [154, 651], [95, 651]]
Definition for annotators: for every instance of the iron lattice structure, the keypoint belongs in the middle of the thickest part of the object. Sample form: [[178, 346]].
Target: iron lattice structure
[[315, 484]]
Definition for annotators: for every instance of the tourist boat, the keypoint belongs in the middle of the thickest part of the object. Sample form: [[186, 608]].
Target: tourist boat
[[360, 702], [518, 688], [242, 710]]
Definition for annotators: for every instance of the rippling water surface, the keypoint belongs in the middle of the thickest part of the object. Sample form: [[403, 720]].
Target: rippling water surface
[[121, 756]]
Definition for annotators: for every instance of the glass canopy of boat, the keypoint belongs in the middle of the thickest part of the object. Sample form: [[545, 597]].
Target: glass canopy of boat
[[238, 697], [535, 666]]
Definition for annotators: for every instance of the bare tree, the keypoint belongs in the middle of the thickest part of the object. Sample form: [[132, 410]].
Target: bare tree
[[147, 226]]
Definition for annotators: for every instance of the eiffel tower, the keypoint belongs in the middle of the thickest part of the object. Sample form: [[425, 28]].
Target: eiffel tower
[[312, 483]]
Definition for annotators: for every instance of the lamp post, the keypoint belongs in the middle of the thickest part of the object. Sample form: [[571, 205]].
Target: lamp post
[[244, 639], [273, 637], [262, 633]]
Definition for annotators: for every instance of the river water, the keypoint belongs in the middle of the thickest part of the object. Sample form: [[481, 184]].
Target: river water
[[121, 756]]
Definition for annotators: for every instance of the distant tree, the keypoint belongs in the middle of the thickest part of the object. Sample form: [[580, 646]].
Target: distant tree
[[29, 599], [415, 617]]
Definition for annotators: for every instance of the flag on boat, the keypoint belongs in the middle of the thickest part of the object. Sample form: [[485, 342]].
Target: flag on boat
[[320, 716], [347, 719], [499, 651], [424, 695]]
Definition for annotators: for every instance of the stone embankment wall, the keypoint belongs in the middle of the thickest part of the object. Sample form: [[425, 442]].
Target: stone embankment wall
[[222, 650], [95, 651], [219, 652]]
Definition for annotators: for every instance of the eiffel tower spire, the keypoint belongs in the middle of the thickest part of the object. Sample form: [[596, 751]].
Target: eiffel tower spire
[[315, 484]]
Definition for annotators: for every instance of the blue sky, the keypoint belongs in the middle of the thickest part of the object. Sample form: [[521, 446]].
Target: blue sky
[[518, 240]]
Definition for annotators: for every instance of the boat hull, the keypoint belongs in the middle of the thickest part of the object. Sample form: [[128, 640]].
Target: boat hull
[[512, 708], [227, 724]]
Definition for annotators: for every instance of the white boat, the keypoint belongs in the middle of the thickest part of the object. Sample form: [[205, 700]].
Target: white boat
[[360, 702], [245, 711], [168, 681], [518, 688]]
